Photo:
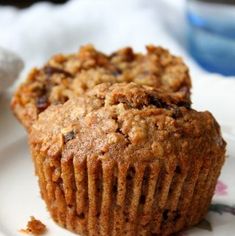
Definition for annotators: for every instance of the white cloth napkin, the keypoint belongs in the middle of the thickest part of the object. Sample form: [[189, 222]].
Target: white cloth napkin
[[44, 29]]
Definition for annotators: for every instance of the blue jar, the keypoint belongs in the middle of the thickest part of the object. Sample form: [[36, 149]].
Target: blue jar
[[211, 34]]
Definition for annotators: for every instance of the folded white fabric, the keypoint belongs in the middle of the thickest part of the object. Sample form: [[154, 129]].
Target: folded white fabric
[[10, 67], [45, 29]]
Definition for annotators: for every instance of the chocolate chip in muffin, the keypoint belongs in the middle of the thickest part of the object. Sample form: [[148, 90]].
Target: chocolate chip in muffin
[[153, 100], [69, 136], [42, 102], [49, 70], [185, 104]]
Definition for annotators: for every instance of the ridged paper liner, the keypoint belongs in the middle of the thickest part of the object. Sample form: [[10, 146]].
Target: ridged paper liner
[[93, 196]]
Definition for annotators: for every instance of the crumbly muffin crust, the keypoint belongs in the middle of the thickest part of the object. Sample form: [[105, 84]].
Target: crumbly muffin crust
[[126, 159], [65, 76]]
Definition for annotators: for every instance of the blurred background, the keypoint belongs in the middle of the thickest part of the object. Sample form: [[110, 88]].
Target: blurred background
[[203, 29], [202, 32]]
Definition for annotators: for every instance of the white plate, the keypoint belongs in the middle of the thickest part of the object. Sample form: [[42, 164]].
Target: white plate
[[20, 199]]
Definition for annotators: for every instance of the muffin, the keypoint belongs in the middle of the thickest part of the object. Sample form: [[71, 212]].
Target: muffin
[[65, 76], [126, 159]]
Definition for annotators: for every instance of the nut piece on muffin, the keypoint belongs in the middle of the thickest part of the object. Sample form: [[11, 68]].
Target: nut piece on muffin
[[126, 159], [67, 75]]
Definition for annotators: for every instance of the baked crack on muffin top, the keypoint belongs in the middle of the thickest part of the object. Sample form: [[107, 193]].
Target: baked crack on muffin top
[[66, 76]]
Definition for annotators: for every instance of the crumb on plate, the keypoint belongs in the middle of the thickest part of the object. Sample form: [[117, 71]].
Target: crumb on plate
[[35, 227]]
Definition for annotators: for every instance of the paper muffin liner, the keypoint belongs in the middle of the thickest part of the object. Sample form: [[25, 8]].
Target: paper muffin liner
[[100, 196]]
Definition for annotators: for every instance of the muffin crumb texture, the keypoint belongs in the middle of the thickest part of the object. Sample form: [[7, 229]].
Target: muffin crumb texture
[[34, 227], [127, 159], [66, 76]]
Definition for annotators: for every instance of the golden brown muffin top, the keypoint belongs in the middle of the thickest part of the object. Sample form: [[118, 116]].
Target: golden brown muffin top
[[66, 76], [127, 122]]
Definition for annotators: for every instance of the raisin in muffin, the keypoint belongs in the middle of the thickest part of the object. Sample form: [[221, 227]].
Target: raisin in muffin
[[126, 159], [65, 76]]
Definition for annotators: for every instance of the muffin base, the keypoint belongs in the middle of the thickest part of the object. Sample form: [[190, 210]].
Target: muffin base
[[99, 196]]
